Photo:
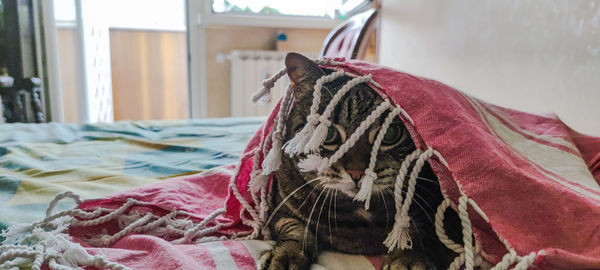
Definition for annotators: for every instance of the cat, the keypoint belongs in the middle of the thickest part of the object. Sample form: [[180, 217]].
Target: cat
[[323, 214]]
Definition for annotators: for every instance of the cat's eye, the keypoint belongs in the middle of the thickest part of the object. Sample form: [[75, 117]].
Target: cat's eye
[[334, 138], [394, 135]]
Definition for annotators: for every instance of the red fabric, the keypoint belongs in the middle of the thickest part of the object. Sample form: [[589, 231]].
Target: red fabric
[[491, 153], [590, 151], [530, 174]]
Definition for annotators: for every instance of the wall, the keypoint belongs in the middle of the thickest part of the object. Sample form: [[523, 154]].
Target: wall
[[537, 56], [225, 39]]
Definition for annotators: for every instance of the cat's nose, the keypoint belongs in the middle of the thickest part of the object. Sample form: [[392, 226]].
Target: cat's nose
[[356, 174]]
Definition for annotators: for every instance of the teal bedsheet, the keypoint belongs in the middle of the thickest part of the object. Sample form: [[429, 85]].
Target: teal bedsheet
[[38, 161]]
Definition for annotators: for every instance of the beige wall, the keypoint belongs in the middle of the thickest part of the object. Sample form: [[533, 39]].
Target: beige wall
[[225, 39], [536, 56]]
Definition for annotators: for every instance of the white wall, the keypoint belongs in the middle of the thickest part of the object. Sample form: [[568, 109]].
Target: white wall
[[536, 55]]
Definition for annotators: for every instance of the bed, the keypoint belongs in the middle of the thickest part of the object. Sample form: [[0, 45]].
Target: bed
[[39, 161]]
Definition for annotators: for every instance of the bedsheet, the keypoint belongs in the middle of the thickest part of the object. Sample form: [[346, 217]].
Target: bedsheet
[[38, 161]]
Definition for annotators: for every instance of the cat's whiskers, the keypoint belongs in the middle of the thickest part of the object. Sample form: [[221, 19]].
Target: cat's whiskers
[[393, 177], [417, 231], [424, 188], [319, 219], [428, 180], [329, 215], [287, 198], [417, 197], [347, 186], [309, 218], [382, 183], [387, 214], [335, 208], [308, 196]]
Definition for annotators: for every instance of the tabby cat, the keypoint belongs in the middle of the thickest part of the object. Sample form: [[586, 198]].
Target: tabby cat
[[322, 214]]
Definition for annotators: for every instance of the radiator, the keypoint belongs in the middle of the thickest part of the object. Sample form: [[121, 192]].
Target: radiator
[[248, 70]]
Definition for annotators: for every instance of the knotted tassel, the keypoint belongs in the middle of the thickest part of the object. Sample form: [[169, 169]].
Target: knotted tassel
[[296, 145], [263, 95], [367, 182], [273, 159], [399, 236], [257, 181], [366, 187], [313, 163], [319, 135]]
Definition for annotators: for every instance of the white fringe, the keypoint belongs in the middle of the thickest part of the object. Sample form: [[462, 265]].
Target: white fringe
[[366, 188], [313, 163], [272, 160], [402, 219], [257, 181], [318, 137], [47, 243], [296, 145], [370, 176], [263, 95]]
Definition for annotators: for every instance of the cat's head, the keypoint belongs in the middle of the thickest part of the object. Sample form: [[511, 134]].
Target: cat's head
[[344, 175]]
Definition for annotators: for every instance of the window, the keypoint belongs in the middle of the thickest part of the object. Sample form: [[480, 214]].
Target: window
[[332, 9], [168, 15]]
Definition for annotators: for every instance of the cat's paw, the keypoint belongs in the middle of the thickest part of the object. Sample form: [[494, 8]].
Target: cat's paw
[[405, 262], [285, 255], [399, 265]]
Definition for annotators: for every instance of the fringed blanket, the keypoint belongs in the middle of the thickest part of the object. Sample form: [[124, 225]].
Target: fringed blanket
[[526, 188]]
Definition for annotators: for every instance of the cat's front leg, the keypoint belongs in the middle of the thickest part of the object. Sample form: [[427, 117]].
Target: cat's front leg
[[407, 260], [294, 249]]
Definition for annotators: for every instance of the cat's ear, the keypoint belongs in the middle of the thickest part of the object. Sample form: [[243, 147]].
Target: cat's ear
[[302, 71]]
